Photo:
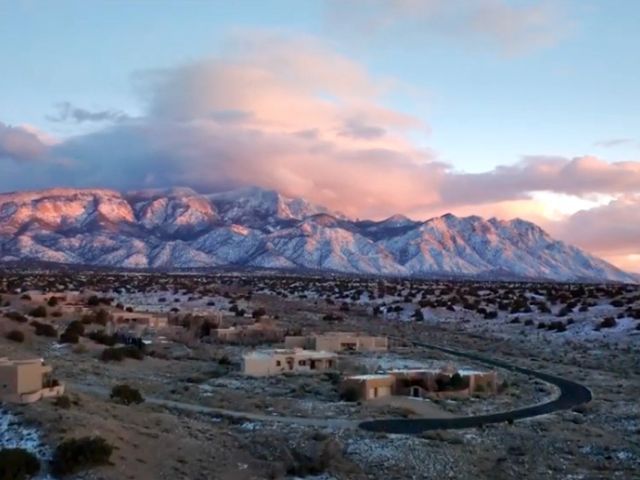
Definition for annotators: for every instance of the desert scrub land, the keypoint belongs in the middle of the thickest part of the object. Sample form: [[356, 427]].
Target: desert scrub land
[[588, 333]]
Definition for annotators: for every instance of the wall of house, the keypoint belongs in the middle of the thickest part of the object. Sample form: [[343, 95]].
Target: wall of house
[[8, 380], [29, 377], [295, 342]]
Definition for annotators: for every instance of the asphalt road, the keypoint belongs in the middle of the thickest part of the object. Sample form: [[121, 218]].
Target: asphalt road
[[571, 395]]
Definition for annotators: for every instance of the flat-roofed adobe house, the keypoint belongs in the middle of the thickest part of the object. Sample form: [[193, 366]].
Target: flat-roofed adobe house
[[339, 342], [422, 383], [27, 381], [367, 387], [262, 363], [137, 322]]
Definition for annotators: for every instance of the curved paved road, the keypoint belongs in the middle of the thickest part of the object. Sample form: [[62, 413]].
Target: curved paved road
[[571, 394]]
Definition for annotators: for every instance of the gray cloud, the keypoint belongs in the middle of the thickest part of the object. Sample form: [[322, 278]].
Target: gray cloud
[[509, 27], [578, 176], [616, 142], [355, 128], [21, 144], [66, 112]]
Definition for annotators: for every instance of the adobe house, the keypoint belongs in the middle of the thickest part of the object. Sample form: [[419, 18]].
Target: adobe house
[[339, 342], [369, 387], [136, 321], [27, 381], [262, 363], [254, 332], [446, 382]]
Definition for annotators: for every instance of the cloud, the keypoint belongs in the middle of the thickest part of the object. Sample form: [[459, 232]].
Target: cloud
[[290, 115], [616, 142], [22, 144], [70, 113], [611, 231], [578, 176], [613, 228], [508, 27]]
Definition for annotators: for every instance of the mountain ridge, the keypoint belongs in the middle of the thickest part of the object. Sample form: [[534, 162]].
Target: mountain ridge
[[254, 227]]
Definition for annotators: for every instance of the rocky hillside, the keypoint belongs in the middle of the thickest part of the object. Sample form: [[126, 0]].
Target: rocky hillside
[[252, 227]]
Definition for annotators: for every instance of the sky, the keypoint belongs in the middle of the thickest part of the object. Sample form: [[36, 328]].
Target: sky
[[507, 108]]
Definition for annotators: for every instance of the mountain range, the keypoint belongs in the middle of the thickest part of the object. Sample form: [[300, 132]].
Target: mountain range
[[251, 227]]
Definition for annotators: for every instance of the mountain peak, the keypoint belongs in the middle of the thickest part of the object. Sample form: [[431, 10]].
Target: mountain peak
[[255, 227]]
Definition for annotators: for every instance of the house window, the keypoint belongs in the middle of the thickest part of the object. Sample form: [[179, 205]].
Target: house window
[[278, 363], [302, 363]]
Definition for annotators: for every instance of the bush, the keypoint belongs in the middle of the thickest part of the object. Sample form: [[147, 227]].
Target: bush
[[18, 464], [75, 327], [44, 329], [608, 322], [102, 338], [39, 312], [63, 402], [78, 454], [53, 302], [350, 394], [126, 395], [16, 317], [118, 354], [16, 336], [69, 337]]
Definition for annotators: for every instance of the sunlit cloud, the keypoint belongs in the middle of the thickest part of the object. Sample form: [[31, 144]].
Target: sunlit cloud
[[291, 115]]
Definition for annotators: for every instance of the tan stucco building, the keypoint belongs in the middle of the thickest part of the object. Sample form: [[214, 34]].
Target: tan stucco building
[[423, 383], [338, 342], [27, 381], [136, 322], [262, 363]]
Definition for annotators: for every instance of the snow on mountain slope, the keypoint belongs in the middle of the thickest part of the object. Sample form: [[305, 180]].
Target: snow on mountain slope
[[180, 228]]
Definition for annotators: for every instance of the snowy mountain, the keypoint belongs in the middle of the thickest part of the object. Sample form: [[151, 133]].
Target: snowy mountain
[[252, 227]]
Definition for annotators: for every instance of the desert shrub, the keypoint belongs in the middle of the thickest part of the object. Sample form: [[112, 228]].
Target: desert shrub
[[418, 316], [39, 312], [63, 402], [53, 302], [78, 454], [16, 336], [259, 312], [76, 327], [350, 394], [102, 338], [118, 354], [56, 314], [25, 296], [528, 322], [93, 301], [44, 329], [16, 317], [225, 360], [68, 337], [18, 464], [126, 395], [608, 322]]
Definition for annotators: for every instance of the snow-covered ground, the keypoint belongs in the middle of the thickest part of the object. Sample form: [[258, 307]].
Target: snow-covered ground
[[13, 434]]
